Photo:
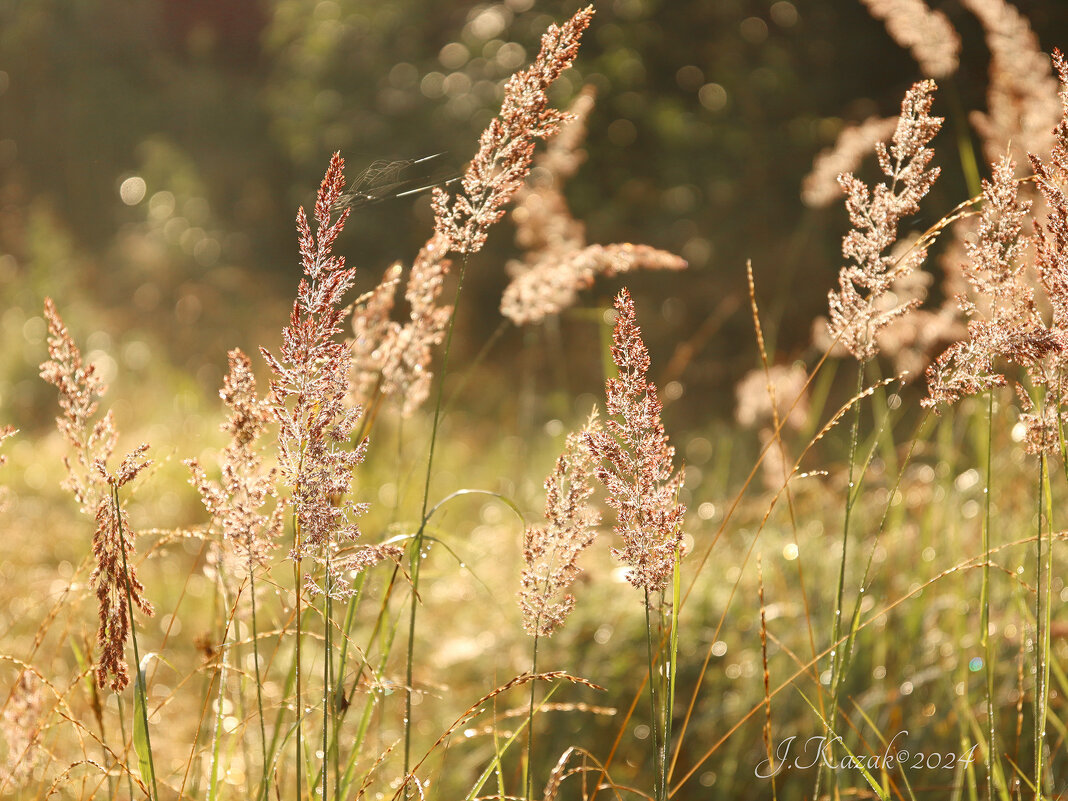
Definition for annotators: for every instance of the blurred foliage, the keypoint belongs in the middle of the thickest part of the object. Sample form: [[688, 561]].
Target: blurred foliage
[[708, 116]]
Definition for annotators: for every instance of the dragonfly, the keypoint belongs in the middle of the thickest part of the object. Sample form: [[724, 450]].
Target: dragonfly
[[385, 180]]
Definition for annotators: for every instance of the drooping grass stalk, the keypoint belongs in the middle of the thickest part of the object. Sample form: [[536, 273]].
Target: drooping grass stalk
[[139, 683], [417, 542], [836, 628]]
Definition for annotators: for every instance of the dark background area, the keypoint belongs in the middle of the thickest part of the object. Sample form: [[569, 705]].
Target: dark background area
[[708, 116]]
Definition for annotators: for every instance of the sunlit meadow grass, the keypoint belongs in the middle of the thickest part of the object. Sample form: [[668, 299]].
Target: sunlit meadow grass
[[905, 608]]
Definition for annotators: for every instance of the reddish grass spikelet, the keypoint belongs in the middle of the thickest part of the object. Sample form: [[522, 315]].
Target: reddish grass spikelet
[[80, 388], [97, 490], [506, 147], [551, 551], [636, 461], [308, 398], [235, 503], [856, 317], [114, 576]]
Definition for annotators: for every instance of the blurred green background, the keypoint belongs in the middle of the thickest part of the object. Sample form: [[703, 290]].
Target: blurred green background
[[152, 156]]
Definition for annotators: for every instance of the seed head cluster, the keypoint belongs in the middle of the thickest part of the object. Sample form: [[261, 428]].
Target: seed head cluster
[[636, 461], [551, 551], [856, 316], [114, 577], [97, 491], [1006, 324], [393, 359], [80, 389], [308, 399], [235, 503], [558, 263], [506, 147]]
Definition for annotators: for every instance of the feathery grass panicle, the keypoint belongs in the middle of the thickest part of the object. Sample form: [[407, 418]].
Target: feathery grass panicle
[[1051, 263], [1004, 320], [1022, 105], [392, 358], [855, 315], [506, 147], [96, 490], [114, 576], [80, 388], [551, 551], [636, 461], [1051, 240], [370, 324], [558, 263], [820, 187], [308, 398], [925, 33], [235, 503]]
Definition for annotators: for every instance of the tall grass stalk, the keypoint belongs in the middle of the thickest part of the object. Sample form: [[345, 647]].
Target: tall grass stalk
[[530, 718], [984, 606], [298, 580], [216, 737], [1043, 598], [837, 655], [654, 723], [328, 663]]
